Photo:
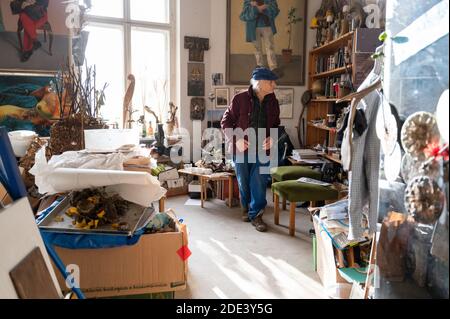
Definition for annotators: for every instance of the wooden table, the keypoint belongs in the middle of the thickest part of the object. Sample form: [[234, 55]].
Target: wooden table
[[217, 177]]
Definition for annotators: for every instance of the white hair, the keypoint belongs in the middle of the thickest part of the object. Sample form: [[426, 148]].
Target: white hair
[[256, 84]]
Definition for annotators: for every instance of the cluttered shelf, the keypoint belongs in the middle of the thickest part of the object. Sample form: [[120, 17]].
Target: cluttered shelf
[[335, 71], [333, 45], [331, 158], [322, 127], [324, 100]]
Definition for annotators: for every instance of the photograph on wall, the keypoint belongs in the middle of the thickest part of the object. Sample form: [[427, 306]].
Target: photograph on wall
[[238, 90], [34, 35], [217, 79], [196, 82], [267, 33], [222, 98], [28, 102], [285, 98]]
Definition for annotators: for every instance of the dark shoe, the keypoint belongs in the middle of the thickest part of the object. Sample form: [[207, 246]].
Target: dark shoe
[[26, 56], [36, 45], [245, 217], [259, 224]]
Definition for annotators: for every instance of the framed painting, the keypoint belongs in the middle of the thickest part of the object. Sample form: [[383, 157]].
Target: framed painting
[[33, 35], [196, 81], [286, 99], [222, 98], [266, 33], [28, 102]]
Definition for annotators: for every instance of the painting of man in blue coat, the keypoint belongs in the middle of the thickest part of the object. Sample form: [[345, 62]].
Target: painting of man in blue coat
[[259, 17]]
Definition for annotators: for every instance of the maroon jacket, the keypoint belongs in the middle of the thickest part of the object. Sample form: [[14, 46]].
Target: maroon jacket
[[238, 113]]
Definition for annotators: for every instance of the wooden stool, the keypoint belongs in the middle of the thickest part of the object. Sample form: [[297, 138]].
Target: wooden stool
[[296, 192]]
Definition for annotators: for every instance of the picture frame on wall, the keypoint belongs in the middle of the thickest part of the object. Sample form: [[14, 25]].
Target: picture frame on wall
[[222, 98], [246, 44], [48, 53], [240, 89], [196, 81], [285, 97]]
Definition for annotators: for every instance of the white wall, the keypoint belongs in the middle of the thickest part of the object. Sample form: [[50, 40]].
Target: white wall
[[193, 20], [208, 18]]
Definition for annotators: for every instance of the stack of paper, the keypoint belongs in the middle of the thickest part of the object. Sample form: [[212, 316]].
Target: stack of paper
[[305, 154], [307, 180]]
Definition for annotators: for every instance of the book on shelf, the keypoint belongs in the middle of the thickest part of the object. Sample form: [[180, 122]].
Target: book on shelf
[[330, 62]]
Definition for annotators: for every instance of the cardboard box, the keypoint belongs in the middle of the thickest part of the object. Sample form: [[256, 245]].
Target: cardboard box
[[5, 199], [152, 265], [195, 187], [176, 183], [326, 263], [168, 175], [172, 192]]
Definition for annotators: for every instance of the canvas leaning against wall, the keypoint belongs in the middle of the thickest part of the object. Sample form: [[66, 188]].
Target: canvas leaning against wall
[[273, 36], [34, 38], [28, 102]]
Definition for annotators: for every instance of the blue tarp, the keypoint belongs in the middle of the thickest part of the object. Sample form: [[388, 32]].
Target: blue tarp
[[85, 241]]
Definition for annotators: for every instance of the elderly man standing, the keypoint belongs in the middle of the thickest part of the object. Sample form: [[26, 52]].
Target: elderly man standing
[[256, 109]]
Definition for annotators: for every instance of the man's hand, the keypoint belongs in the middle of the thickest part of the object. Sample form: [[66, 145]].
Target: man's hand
[[254, 3], [28, 3], [242, 145], [268, 143], [262, 8]]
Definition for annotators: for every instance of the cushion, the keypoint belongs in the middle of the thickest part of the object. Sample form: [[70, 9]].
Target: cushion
[[287, 173], [294, 191]]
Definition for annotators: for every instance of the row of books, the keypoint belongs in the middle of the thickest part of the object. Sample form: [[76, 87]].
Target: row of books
[[338, 60], [330, 89]]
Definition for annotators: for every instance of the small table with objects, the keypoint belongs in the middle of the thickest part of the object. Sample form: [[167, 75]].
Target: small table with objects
[[215, 177]]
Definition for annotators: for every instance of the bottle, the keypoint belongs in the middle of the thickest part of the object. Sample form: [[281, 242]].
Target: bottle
[[150, 129], [144, 129]]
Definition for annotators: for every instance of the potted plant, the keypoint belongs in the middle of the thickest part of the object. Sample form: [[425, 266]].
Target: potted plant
[[292, 20]]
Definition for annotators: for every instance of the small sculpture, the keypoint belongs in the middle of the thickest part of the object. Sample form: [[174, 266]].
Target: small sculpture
[[357, 15], [172, 121], [127, 108], [198, 109]]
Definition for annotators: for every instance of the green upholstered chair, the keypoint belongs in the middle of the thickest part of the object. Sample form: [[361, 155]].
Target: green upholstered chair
[[295, 192], [289, 173]]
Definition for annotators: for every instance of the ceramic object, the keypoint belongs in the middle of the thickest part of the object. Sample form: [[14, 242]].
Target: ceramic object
[[21, 141], [419, 131], [424, 200]]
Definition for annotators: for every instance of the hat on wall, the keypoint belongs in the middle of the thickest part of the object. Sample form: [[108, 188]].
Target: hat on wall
[[264, 74]]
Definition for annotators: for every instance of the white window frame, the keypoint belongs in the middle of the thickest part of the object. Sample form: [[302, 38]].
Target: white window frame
[[127, 23]]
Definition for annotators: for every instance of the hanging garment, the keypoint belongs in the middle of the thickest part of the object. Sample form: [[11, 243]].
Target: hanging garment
[[361, 155], [364, 167]]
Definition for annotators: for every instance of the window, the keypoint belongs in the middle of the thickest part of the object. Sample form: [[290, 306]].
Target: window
[[132, 37]]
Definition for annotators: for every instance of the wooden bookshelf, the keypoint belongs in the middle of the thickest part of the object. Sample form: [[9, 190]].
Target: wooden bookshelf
[[355, 48], [335, 71], [333, 45]]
